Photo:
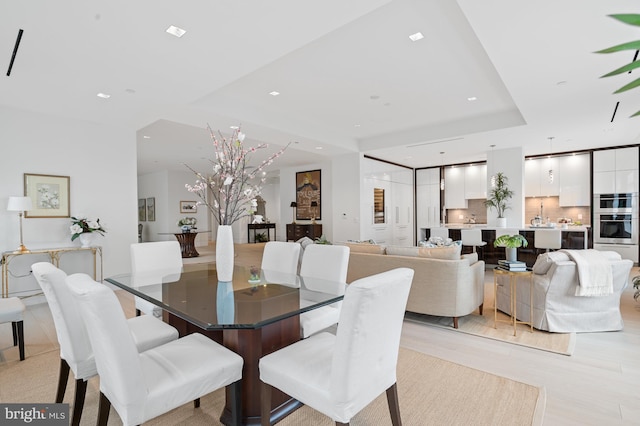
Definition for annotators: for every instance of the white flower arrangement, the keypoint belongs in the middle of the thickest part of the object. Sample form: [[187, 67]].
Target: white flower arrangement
[[231, 184], [82, 225], [190, 221]]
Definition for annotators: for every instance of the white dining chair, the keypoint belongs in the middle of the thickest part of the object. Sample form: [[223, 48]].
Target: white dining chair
[[151, 256], [12, 310], [340, 374], [322, 262], [76, 353], [280, 262], [548, 239], [472, 237], [142, 386]]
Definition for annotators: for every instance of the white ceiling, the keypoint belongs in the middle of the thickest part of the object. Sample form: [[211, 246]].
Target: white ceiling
[[349, 77]]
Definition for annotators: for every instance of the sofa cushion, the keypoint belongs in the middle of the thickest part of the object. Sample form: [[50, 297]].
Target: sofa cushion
[[365, 248], [402, 251], [545, 260]]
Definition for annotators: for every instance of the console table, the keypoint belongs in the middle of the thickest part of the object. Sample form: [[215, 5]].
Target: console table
[[295, 231], [256, 226], [54, 256]]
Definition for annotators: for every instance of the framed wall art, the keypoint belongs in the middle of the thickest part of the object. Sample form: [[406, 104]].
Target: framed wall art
[[142, 210], [151, 209], [188, 207], [49, 195], [308, 195]]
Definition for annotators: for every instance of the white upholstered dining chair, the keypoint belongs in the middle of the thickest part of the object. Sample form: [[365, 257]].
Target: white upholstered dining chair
[[472, 237], [75, 349], [146, 257], [340, 374], [280, 262], [142, 386], [547, 239], [11, 310], [319, 263]]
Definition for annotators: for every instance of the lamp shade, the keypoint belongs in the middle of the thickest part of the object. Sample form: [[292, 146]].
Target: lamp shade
[[293, 204], [19, 204]]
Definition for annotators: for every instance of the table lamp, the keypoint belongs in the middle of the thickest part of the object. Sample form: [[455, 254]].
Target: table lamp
[[293, 205], [20, 205], [314, 207]]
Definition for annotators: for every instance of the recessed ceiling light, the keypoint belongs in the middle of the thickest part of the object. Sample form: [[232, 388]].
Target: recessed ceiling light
[[472, 98], [318, 147], [146, 137], [131, 91], [356, 125], [103, 95], [417, 36], [234, 127], [274, 93], [175, 31]]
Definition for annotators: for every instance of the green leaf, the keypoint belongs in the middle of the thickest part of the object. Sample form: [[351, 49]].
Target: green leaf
[[628, 67], [632, 45], [633, 84], [628, 18], [635, 115]]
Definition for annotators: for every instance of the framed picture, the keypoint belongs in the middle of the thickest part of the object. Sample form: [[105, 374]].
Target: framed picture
[[308, 195], [142, 210], [151, 209], [49, 195], [188, 207]]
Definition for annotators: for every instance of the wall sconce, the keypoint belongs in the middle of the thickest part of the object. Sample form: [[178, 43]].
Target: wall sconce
[[314, 208], [20, 205], [293, 205]]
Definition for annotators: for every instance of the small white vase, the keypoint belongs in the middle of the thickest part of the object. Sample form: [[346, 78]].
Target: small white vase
[[224, 253], [86, 239]]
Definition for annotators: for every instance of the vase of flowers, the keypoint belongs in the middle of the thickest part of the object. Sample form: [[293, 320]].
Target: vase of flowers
[[187, 224], [85, 229], [229, 191]]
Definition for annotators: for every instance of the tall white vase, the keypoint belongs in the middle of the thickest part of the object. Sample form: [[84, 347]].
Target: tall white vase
[[224, 253]]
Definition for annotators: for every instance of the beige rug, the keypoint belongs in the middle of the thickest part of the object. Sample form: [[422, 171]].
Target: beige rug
[[431, 392]]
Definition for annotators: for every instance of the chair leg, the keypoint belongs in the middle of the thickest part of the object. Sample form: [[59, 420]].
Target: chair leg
[[236, 403], [103, 410], [14, 330], [78, 403], [62, 380], [138, 313], [480, 308], [196, 403], [342, 424], [19, 333], [455, 322], [265, 406], [394, 406]]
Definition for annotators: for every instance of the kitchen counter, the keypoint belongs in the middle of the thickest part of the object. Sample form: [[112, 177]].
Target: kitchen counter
[[570, 228]]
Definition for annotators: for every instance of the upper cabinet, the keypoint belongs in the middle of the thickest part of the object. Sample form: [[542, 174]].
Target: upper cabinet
[[574, 180], [615, 170], [427, 198], [454, 188], [537, 180], [475, 181]]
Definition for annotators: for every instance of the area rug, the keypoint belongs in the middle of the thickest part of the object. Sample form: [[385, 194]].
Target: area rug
[[482, 325], [432, 391]]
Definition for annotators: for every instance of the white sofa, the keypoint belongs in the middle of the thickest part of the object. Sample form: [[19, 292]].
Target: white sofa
[[556, 308], [441, 287]]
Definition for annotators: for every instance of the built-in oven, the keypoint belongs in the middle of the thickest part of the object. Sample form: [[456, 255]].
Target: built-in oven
[[615, 218]]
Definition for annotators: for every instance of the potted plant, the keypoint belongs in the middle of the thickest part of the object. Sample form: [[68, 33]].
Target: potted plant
[[498, 198], [511, 244]]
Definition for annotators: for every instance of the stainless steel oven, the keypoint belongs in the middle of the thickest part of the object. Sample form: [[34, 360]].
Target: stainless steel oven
[[615, 218]]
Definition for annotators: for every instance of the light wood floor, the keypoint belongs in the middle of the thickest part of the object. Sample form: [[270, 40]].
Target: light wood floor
[[597, 385]]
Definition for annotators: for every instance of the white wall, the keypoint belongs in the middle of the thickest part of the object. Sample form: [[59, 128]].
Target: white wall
[[101, 163], [346, 198], [511, 163]]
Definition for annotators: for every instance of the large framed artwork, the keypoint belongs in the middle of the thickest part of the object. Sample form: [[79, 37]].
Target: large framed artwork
[[49, 195], [142, 210], [308, 195], [151, 209]]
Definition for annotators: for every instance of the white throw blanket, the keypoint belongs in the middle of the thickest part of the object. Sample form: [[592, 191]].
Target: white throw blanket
[[595, 274]]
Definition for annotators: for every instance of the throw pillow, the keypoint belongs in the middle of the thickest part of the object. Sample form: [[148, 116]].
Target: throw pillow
[[451, 252], [545, 260]]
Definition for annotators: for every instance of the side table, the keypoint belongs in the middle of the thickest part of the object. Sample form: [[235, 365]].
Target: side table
[[513, 283]]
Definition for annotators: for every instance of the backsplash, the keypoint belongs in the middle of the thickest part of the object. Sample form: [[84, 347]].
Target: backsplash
[[552, 210], [476, 207]]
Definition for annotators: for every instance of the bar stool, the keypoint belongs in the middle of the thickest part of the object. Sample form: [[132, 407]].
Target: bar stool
[[548, 239], [440, 232], [473, 238], [11, 310]]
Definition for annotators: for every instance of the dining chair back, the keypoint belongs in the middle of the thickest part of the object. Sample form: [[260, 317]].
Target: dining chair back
[[280, 262], [354, 366], [322, 262], [11, 310], [472, 237], [142, 386], [76, 353], [146, 257], [548, 239]]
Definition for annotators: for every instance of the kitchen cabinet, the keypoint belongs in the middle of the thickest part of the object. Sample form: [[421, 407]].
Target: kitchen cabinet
[[537, 183], [615, 170], [427, 198], [574, 180], [454, 192], [475, 182]]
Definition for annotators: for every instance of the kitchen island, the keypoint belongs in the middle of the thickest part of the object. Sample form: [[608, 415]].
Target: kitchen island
[[573, 237]]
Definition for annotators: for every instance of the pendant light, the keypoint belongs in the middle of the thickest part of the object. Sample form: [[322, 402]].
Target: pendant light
[[442, 178], [550, 152], [493, 175]]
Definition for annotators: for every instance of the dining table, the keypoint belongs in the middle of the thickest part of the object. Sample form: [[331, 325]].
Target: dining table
[[253, 315]]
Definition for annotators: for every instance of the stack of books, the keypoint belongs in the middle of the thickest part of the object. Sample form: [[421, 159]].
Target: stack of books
[[512, 265]]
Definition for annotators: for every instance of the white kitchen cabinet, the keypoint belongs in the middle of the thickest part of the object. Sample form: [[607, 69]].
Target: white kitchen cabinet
[[537, 183], [427, 198], [626, 158], [615, 171], [604, 161], [574, 180], [532, 178], [475, 182], [454, 193], [627, 180], [604, 182]]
